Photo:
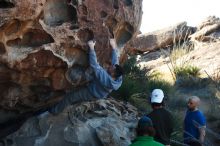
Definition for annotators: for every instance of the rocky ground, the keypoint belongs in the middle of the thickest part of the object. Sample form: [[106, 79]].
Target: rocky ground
[[98, 123]]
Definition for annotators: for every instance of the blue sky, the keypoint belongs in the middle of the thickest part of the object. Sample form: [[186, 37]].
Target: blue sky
[[158, 14]]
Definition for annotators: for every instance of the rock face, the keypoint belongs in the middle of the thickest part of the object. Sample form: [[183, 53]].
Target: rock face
[[97, 123], [208, 30], [40, 40], [160, 39]]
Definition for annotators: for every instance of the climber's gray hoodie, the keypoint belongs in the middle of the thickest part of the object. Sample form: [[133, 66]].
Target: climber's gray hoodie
[[102, 84]]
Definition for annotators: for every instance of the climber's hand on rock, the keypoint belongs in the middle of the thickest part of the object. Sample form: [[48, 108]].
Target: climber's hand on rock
[[91, 44], [113, 43]]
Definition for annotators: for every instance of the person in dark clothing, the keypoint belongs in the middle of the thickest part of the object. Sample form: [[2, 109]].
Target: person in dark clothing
[[161, 117], [145, 132]]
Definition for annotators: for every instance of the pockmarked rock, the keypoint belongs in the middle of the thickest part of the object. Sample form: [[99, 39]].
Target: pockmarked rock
[[41, 39]]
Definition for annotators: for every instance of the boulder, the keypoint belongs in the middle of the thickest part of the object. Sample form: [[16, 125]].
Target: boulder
[[97, 123], [41, 39], [160, 38], [208, 30]]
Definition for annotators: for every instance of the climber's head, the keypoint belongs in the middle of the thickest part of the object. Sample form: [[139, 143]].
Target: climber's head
[[115, 71]]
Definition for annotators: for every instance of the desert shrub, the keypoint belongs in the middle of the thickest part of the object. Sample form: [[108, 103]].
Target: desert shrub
[[139, 100], [179, 50], [137, 80], [179, 58], [154, 75], [186, 71], [215, 78], [178, 127], [140, 97], [129, 87], [181, 47], [188, 76], [159, 84], [134, 80], [132, 70], [130, 65], [177, 101]]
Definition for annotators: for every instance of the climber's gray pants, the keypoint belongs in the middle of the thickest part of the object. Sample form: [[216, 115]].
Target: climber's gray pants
[[70, 98]]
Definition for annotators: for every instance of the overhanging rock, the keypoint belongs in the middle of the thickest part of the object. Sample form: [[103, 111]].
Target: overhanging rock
[[40, 40]]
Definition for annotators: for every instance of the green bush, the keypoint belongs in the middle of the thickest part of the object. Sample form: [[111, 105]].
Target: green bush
[[215, 78], [133, 80], [178, 127], [132, 70], [180, 49], [178, 101], [154, 75], [159, 84], [129, 87], [188, 76], [136, 81], [186, 71], [178, 52], [140, 101]]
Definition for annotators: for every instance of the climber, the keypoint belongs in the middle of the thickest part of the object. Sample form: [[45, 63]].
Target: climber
[[102, 84]]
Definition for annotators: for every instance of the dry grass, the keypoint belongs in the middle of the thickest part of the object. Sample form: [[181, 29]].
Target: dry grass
[[216, 77]]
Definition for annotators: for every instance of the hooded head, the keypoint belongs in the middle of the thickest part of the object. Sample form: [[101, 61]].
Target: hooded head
[[115, 71], [145, 127]]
